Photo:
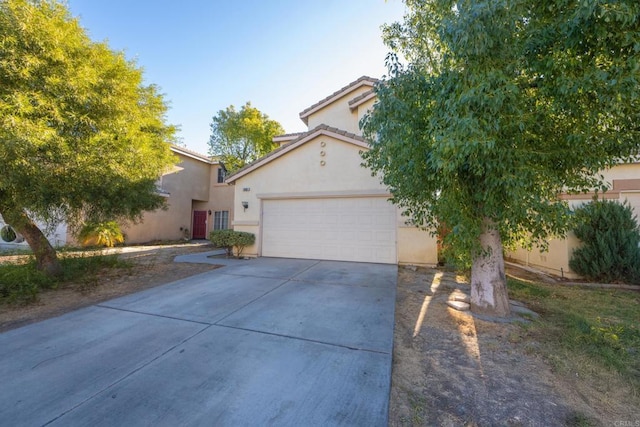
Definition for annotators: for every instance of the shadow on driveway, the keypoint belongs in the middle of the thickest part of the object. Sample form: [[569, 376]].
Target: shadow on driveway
[[264, 341]]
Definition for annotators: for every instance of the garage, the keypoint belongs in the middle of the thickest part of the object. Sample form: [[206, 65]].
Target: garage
[[361, 229]]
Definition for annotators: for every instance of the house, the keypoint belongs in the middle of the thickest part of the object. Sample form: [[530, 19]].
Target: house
[[311, 198], [10, 240], [624, 184], [198, 201]]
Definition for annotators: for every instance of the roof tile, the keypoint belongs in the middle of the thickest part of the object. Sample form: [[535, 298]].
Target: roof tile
[[362, 79]]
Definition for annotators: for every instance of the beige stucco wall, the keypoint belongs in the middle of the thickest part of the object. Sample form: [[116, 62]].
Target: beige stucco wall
[[191, 186], [623, 171], [338, 114], [416, 247], [556, 259], [300, 172], [363, 108]]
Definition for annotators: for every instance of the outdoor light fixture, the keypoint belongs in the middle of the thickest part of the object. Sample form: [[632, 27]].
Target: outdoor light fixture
[[245, 205], [209, 211]]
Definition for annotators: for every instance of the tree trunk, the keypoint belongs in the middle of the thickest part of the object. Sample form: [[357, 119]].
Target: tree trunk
[[488, 281], [46, 258]]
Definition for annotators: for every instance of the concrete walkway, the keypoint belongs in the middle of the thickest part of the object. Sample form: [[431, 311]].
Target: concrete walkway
[[258, 342]]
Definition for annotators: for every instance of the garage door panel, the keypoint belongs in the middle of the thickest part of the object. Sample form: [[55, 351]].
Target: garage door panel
[[348, 229]]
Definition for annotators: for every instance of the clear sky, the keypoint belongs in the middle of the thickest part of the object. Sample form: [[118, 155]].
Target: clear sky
[[282, 55]]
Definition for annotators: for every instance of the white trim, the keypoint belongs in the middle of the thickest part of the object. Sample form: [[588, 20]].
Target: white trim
[[245, 223], [325, 194]]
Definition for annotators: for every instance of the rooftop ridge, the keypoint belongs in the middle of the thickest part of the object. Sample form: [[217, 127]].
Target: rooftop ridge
[[343, 90]]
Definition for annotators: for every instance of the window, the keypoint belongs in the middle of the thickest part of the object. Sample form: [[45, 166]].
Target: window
[[221, 175], [221, 220]]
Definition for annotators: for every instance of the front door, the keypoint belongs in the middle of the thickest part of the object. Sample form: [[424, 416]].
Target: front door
[[199, 224]]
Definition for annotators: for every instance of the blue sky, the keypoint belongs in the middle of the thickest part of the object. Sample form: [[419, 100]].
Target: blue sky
[[282, 55]]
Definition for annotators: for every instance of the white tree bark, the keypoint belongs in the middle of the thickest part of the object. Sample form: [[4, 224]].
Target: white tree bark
[[488, 281]]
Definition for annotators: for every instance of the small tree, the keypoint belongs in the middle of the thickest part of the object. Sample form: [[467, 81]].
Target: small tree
[[610, 235], [240, 137]]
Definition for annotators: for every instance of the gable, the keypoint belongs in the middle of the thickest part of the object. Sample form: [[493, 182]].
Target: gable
[[324, 163], [303, 139], [335, 110]]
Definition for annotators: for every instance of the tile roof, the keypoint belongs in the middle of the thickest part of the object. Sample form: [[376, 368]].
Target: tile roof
[[213, 160], [283, 147], [287, 137], [191, 153], [363, 97], [364, 80]]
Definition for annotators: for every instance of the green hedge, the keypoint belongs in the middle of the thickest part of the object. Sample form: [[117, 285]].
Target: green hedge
[[231, 240], [610, 236]]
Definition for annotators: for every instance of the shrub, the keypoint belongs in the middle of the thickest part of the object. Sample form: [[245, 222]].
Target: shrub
[[610, 237], [230, 239], [101, 234], [21, 283], [8, 234]]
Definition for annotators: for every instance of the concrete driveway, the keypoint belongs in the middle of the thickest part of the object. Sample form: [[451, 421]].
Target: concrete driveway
[[258, 342]]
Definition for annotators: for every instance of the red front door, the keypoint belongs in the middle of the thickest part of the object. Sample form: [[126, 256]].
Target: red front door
[[199, 224]]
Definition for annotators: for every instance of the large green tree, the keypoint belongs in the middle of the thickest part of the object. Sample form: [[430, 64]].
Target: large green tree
[[503, 105], [240, 137], [82, 138]]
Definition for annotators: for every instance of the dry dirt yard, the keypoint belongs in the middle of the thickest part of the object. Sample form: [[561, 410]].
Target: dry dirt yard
[[151, 266], [449, 369]]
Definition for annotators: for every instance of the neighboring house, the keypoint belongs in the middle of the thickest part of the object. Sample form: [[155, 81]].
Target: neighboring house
[[198, 201], [311, 198], [624, 184], [9, 239]]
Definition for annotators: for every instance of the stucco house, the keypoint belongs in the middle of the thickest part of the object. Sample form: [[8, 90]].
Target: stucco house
[[198, 201], [311, 198], [624, 184]]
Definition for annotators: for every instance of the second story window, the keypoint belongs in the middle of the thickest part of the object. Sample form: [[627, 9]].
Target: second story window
[[221, 175]]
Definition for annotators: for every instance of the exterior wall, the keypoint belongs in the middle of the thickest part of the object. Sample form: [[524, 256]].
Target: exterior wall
[[416, 247], [220, 198], [338, 114], [624, 183], [192, 186], [299, 173], [363, 108], [57, 237], [554, 261]]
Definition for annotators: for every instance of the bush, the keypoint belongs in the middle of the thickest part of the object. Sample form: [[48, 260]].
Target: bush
[[101, 234], [21, 283], [611, 237], [230, 239]]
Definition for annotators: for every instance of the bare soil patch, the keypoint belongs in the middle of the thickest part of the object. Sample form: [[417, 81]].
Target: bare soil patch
[[451, 369], [150, 266]]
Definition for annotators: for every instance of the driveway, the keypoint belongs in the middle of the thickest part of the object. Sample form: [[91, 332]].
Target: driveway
[[264, 341]]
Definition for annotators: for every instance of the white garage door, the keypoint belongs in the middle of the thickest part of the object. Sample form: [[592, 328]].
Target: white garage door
[[345, 229]]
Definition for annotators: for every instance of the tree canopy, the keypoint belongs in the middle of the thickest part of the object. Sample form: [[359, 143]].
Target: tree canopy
[[240, 137], [503, 105], [83, 139]]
